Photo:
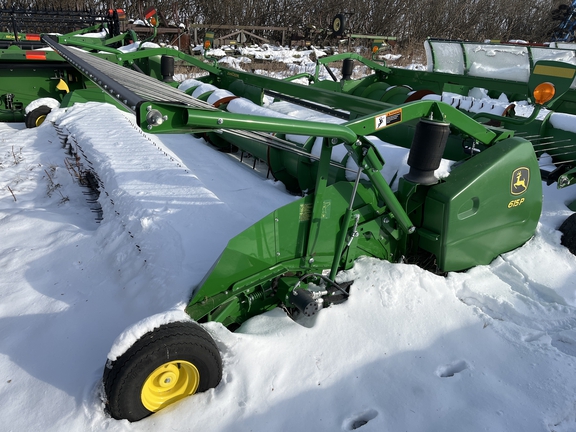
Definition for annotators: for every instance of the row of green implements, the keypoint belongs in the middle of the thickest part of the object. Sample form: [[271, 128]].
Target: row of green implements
[[490, 203]]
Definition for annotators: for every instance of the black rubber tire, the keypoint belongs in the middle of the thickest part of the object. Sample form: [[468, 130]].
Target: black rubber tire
[[125, 377], [568, 230], [37, 114], [338, 25]]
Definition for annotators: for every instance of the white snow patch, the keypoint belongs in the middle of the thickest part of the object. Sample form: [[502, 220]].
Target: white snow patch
[[129, 336], [49, 102]]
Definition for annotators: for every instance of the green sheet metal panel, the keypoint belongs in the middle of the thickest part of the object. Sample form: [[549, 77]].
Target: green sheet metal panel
[[279, 242], [488, 205]]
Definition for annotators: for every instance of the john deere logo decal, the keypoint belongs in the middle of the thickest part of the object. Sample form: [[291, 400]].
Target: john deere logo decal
[[520, 181]]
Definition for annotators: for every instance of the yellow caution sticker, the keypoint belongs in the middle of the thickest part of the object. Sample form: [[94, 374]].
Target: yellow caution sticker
[[388, 119], [554, 71]]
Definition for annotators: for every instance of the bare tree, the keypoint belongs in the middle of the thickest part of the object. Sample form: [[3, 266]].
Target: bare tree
[[409, 20]]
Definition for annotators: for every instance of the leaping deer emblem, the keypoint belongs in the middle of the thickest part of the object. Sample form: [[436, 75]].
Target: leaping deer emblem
[[520, 182], [520, 179]]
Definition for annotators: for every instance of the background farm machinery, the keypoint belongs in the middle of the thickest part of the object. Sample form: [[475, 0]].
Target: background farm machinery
[[566, 14], [489, 203], [23, 27]]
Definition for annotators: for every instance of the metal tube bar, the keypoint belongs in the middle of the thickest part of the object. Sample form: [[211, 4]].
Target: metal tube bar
[[219, 120], [531, 137], [306, 104], [391, 201], [555, 142], [563, 154], [287, 146]]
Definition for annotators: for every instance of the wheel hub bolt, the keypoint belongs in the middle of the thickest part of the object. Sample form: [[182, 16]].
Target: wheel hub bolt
[[166, 378]]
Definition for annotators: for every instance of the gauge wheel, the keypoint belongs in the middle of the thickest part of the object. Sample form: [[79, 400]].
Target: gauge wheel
[[164, 366], [338, 25], [37, 116]]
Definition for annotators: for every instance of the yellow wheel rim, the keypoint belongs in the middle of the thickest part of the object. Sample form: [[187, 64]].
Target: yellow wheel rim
[[40, 120], [169, 383]]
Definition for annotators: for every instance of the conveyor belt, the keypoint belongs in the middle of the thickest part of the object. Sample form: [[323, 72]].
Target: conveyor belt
[[132, 88], [126, 85]]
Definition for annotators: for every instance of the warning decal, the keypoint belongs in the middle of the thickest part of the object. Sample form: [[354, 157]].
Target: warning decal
[[388, 119]]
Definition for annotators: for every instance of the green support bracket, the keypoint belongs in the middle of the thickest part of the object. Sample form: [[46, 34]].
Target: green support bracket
[[339, 57], [369, 159], [343, 236], [320, 208], [433, 110]]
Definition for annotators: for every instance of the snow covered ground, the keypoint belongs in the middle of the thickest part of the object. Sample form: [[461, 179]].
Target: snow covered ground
[[492, 348]]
